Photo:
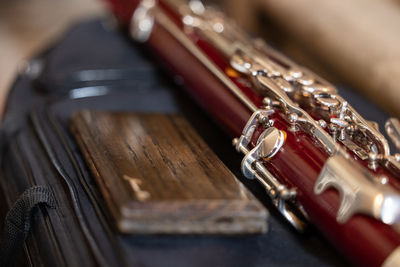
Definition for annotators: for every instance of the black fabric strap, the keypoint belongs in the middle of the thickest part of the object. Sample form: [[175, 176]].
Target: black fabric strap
[[18, 221]]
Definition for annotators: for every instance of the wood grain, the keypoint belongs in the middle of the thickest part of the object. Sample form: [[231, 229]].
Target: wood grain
[[158, 176]]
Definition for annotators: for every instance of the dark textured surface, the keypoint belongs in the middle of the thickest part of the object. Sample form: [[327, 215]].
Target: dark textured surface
[[90, 45], [18, 221]]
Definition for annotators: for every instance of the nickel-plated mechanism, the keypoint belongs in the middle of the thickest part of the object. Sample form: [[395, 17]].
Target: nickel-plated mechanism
[[142, 21], [392, 127], [360, 192], [268, 144], [310, 104], [317, 97]]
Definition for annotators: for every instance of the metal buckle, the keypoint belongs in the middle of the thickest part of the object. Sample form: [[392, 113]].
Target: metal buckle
[[268, 144]]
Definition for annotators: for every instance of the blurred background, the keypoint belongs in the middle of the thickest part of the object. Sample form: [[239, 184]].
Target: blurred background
[[28, 26], [355, 43]]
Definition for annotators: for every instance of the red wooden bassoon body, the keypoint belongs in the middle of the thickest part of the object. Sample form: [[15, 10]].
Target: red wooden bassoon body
[[364, 240]]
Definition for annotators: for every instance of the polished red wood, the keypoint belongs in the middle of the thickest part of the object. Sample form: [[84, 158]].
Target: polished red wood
[[206, 89], [123, 9], [364, 240]]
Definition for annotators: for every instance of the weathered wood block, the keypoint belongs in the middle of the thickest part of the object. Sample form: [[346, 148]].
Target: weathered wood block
[[158, 176]]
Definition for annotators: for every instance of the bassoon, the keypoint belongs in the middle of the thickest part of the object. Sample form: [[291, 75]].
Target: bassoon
[[317, 158]]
